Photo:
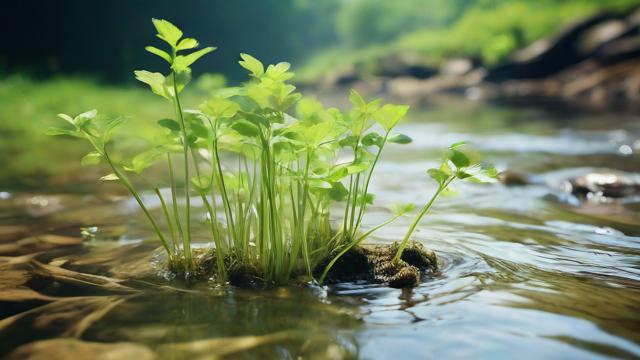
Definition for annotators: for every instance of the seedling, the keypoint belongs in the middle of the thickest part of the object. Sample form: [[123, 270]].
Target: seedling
[[265, 162]]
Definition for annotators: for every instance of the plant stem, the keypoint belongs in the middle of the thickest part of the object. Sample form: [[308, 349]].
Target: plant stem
[[416, 220], [352, 244], [174, 201], [187, 239], [363, 203], [167, 216], [127, 184]]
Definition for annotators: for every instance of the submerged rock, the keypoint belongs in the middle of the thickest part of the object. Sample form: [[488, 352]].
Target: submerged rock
[[607, 184], [64, 349], [602, 184]]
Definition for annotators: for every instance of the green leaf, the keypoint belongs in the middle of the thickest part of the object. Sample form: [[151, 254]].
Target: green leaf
[[91, 158], [67, 118], [458, 158], [53, 131], [219, 107], [372, 139], [156, 82], [369, 198], [110, 177], [319, 184], [182, 62], [457, 144], [399, 139], [169, 124], [491, 172], [182, 78], [161, 53], [401, 209], [349, 141], [389, 115], [356, 99], [195, 124], [245, 128], [337, 173], [144, 160], [88, 115], [85, 118], [438, 175], [186, 44], [167, 31], [110, 126], [252, 64], [202, 183], [356, 168], [338, 191], [463, 175], [279, 72]]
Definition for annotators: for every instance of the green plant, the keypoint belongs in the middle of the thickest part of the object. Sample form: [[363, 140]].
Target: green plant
[[457, 165], [264, 161]]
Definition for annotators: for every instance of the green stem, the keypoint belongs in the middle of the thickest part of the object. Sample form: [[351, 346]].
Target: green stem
[[352, 244], [127, 184], [422, 212], [174, 200], [167, 216], [187, 239], [363, 203]]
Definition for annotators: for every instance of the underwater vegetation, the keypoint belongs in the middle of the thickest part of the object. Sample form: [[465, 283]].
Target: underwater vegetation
[[268, 164]]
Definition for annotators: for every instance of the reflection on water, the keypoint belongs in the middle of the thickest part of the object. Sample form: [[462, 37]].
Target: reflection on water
[[526, 271]]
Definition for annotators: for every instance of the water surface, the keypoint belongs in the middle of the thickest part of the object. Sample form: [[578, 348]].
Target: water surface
[[526, 272]]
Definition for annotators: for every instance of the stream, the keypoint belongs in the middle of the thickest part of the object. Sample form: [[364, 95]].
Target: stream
[[527, 271]]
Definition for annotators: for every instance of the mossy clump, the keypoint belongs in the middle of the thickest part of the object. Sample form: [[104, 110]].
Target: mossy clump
[[365, 263], [374, 263]]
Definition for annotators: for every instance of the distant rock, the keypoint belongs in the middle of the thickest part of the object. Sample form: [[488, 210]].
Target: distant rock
[[456, 67], [404, 65], [607, 184], [546, 57]]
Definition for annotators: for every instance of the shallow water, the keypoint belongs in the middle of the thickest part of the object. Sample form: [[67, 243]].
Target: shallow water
[[526, 272]]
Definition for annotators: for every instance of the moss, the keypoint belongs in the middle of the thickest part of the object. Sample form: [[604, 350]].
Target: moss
[[374, 263], [367, 263]]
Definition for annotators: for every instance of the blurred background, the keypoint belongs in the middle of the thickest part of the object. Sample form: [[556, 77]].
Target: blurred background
[[71, 55]]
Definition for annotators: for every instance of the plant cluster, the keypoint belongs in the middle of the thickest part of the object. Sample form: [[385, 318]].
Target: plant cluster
[[268, 164]]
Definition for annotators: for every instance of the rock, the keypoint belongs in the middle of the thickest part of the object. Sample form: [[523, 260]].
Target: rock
[[601, 34], [513, 178], [547, 57], [619, 50], [398, 65], [412, 90], [64, 349], [340, 78], [456, 67], [607, 184]]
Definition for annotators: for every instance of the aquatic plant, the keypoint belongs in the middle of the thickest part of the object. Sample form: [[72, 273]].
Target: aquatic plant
[[268, 164]]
